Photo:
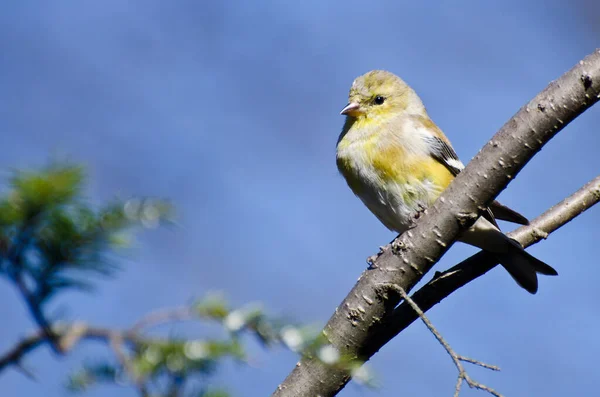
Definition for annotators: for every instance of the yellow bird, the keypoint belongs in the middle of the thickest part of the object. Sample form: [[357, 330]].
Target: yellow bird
[[397, 161]]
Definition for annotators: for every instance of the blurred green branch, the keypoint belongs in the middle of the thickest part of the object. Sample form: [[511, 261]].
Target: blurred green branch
[[52, 240], [147, 359]]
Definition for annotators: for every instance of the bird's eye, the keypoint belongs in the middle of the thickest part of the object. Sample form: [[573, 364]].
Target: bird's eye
[[379, 100]]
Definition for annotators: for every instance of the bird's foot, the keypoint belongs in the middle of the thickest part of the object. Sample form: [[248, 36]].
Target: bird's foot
[[418, 213], [371, 259]]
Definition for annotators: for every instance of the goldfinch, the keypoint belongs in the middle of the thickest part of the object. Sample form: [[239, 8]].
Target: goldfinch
[[397, 161]]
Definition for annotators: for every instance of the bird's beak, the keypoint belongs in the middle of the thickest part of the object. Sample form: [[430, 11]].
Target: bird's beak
[[352, 109]]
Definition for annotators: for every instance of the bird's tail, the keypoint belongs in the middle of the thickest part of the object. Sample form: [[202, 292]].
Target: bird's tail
[[521, 265]]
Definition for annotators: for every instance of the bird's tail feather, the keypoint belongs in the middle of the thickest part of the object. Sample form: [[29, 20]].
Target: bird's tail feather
[[505, 213], [523, 266]]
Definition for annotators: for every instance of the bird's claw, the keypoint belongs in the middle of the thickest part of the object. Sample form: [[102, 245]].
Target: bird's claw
[[420, 211], [371, 259]]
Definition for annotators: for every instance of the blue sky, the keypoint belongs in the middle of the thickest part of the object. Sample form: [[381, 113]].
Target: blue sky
[[230, 109]]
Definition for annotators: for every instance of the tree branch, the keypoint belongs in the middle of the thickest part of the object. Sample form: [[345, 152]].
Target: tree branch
[[457, 359], [64, 338], [444, 284], [17, 275], [68, 337], [34, 306], [160, 317], [403, 263]]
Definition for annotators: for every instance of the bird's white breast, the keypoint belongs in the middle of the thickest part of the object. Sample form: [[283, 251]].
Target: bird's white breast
[[394, 203]]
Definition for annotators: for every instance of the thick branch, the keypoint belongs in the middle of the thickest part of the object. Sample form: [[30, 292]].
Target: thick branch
[[446, 283], [411, 255]]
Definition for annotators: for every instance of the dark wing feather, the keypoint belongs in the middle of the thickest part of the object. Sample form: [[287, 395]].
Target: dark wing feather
[[445, 154]]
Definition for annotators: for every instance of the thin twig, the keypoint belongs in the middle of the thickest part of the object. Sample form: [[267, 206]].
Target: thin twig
[[69, 336], [456, 358], [17, 276], [479, 363], [159, 317], [25, 371], [116, 342], [37, 313]]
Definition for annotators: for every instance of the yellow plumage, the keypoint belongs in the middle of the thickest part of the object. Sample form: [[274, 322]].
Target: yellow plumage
[[397, 161]]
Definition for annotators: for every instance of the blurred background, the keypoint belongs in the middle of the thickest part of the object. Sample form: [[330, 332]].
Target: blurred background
[[231, 110]]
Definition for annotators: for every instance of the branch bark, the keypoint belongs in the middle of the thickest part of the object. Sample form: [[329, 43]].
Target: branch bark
[[363, 313], [444, 284]]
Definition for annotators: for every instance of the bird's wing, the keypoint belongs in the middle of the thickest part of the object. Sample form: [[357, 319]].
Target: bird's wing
[[443, 152]]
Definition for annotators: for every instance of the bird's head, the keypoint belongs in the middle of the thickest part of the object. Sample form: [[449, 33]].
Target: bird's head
[[381, 94]]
